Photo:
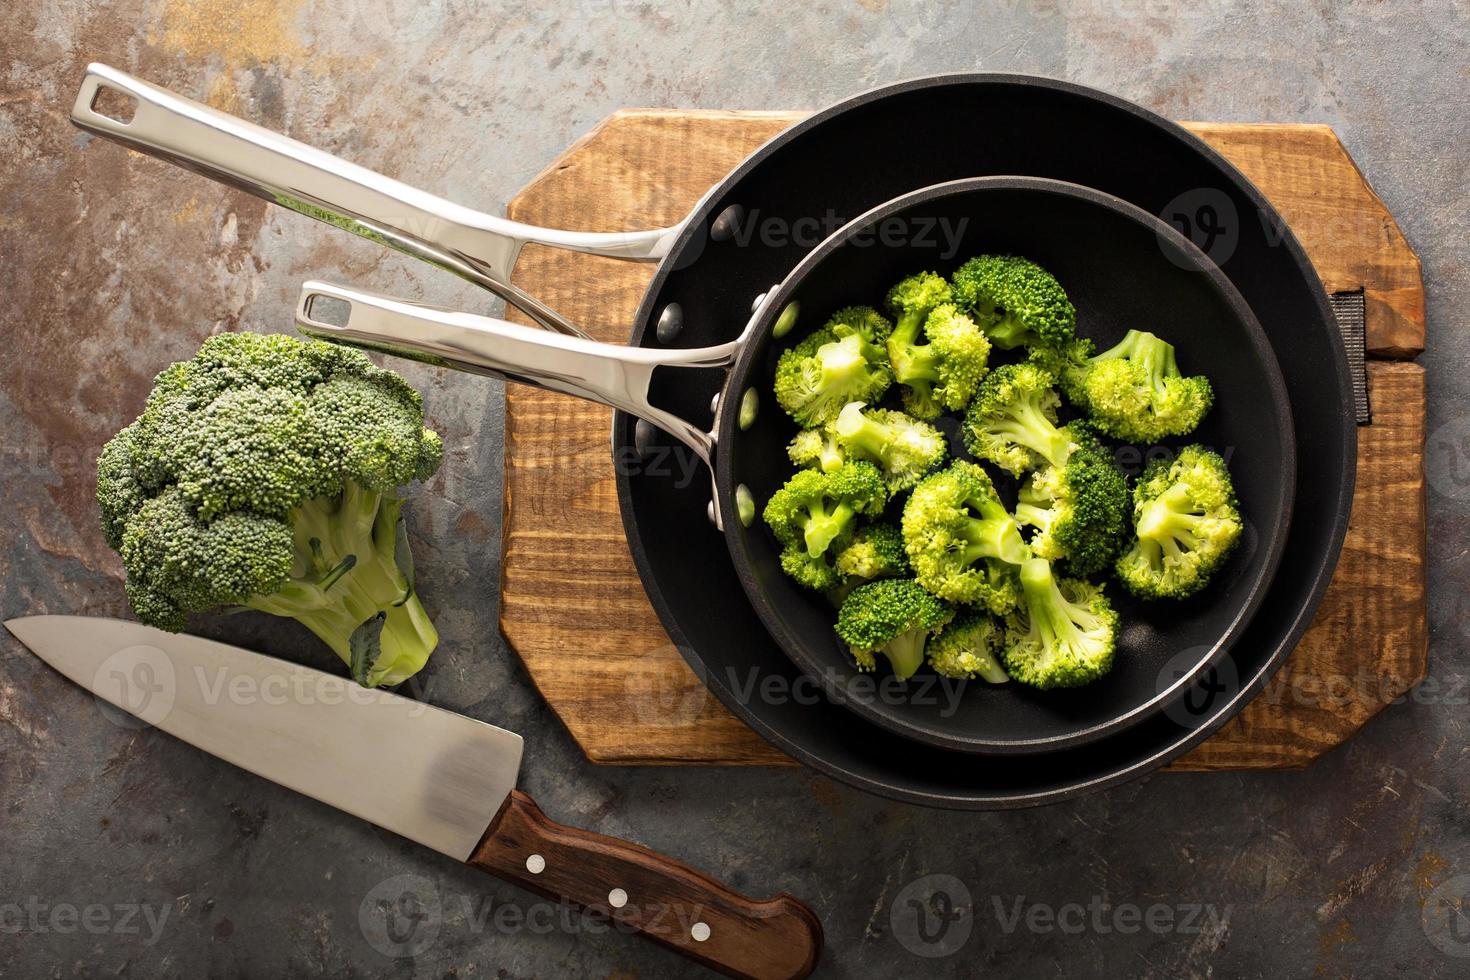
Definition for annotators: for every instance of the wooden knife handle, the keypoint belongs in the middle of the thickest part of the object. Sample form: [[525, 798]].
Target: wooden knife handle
[[657, 896]]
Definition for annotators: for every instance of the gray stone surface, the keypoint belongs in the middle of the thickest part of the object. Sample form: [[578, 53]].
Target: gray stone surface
[[125, 852]]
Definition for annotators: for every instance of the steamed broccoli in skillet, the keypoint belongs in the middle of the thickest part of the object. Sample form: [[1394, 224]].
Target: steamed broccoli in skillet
[[972, 586], [1135, 390], [894, 617], [264, 473], [1185, 524], [843, 362], [814, 516], [1015, 301]]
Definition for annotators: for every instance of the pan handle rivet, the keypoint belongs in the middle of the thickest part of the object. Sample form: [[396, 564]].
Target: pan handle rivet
[[699, 931], [727, 223], [745, 505], [750, 404], [758, 301], [786, 320], [617, 898], [643, 434], [535, 864], [714, 403], [709, 511], [670, 322]]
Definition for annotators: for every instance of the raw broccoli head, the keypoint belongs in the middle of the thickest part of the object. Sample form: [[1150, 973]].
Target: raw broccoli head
[[876, 551], [893, 617], [1012, 421], [902, 447], [961, 542], [942, 373], [1063, 634], [1016, 301], [912, 300], [263, 473], [1186, 523], [1134, 390], [969, 647], [825, 371], [815, 514], [816, 449], [1078, 509]]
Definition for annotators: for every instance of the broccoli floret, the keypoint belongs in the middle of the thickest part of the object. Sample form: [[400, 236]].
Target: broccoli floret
[[1134, 390], [942, 373], [1015, 301], [902, 447], [864, 321], [814, 517], [825, 371], [816, 449], [263, 473], [893, 617], [961, 542], [1063, 634], [1012, 421], [969, 647], [1186, 523], [876, 551], [1078, 509]]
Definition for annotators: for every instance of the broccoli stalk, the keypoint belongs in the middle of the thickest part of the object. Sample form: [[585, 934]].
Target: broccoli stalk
[[351, 590], [893, 617], [1012, 421], [1134, 390], [902, 447], [263, 473], [1064, 634]]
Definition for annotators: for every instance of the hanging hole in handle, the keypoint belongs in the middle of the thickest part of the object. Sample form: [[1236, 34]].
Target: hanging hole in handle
[[116, 105], [331, 311]]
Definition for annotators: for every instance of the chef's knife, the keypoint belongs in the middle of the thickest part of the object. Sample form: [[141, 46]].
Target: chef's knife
[[433, 776]]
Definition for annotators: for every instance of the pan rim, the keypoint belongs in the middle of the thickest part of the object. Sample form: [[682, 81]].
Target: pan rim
[[1294, 616], [1274, 537]]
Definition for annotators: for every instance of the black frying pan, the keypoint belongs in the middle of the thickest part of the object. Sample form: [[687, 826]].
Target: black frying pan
[[1122, 267]]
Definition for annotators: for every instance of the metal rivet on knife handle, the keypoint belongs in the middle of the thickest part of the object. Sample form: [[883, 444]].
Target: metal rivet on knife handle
[[700, 931], [617, 898], [535, 864]]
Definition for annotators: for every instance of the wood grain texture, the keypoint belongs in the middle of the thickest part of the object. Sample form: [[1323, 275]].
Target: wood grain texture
[[585, 629], [662, 899]]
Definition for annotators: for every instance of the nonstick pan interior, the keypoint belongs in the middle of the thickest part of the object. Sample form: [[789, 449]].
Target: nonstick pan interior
[[1122, 268]]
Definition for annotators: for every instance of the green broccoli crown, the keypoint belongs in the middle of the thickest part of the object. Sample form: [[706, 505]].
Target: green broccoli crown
[[1016, 301], [1080, 510], [891, 616], [816, 449], [876, 551], [815, 515], [1012, 421], [239, 453], [1063, 634], [1186, 523], [969, 647], [863, 321], [902, 447], [961, 542], [942, 373], [818, 376], [912, 299], [1134, 390]]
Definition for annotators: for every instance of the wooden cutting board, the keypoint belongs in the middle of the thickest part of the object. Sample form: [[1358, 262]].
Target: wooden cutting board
[[584, 627]]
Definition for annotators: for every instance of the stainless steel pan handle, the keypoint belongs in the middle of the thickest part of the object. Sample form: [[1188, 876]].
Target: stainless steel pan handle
[[479, 247], [611, 374]]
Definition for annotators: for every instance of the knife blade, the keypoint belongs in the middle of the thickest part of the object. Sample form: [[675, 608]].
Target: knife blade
[[453, 787]]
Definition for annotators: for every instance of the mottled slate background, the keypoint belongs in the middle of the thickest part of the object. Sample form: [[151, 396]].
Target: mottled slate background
[[124, 852]]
